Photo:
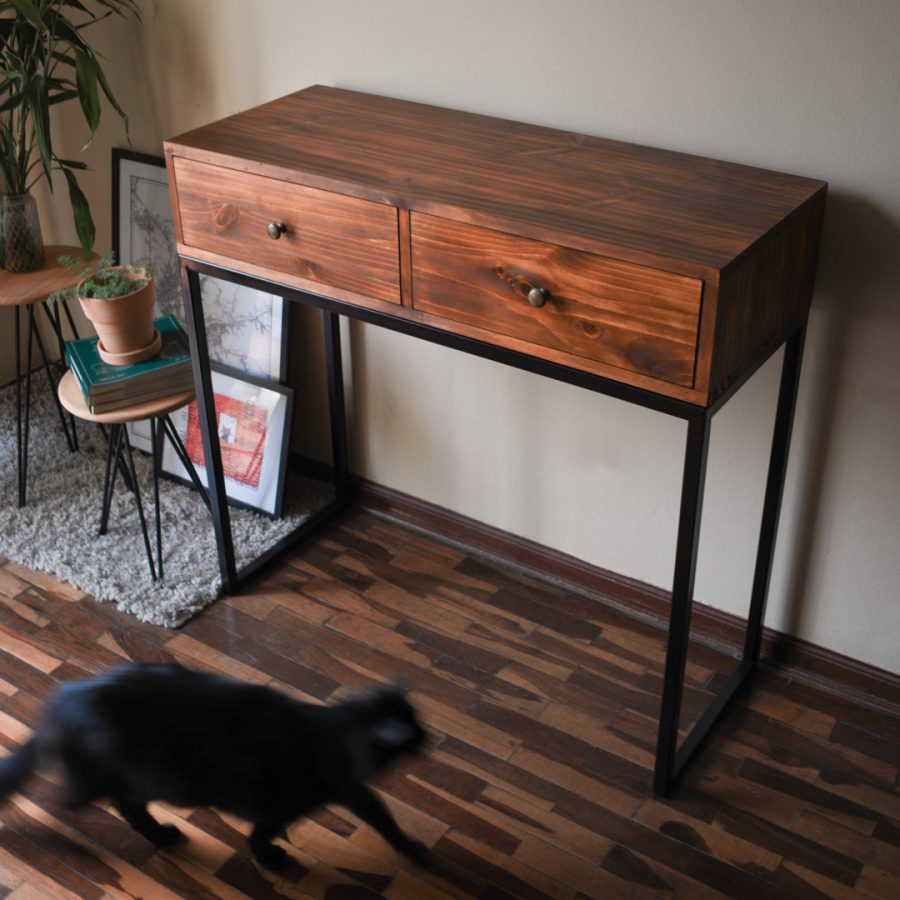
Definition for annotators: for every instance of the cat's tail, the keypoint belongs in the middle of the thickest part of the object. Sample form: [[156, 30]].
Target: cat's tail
[[15, 768]]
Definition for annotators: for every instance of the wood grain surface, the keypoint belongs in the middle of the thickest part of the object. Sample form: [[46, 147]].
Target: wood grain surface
[[342, 169], [597, 308], [651, 202], [329, 238], [21, 289], [541, 707]]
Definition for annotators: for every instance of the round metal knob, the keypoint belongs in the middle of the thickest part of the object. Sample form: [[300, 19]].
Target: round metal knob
[[538, 296], [276, 230]]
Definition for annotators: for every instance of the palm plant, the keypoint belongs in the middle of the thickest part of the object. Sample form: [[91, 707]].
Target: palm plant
[[44, 61]]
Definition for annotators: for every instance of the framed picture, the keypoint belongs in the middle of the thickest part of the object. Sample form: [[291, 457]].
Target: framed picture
[[253, 418], [244, 327], [142, 223]]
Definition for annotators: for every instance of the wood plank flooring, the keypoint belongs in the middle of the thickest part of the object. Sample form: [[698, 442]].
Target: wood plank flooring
[[541, 707]]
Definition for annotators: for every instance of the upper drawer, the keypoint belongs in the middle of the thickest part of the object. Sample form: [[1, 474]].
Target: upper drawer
[[330, 239], [614, 312]]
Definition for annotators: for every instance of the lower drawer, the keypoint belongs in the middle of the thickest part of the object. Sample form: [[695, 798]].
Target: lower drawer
[[628, 316]]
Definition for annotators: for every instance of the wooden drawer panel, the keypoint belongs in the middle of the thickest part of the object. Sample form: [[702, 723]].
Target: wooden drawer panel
[[330, 239], [615, 312]]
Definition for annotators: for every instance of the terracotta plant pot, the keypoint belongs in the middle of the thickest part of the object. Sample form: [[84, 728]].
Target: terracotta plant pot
[[124, 324]]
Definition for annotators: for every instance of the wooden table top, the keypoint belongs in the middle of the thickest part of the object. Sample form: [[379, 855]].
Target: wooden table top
[[25, 288], [665, 271], [649, 205], [73, 400]]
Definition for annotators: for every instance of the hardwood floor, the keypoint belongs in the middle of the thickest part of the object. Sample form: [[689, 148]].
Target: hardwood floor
[[541, 706]]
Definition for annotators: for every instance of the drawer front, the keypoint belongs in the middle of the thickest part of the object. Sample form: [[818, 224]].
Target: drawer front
[[617, 313], [330, 239]]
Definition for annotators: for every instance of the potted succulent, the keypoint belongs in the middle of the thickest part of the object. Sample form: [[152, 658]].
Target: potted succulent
[[119, 301], [44, 61]]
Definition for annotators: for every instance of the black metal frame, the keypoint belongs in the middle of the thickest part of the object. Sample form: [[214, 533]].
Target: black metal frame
[[670, 759], [119, 458]]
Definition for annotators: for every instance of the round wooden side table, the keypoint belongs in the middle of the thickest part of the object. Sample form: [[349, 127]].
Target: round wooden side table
[[30, 290], [119, 455]]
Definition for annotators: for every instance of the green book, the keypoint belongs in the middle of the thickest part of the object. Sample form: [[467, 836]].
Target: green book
[[98, 379]]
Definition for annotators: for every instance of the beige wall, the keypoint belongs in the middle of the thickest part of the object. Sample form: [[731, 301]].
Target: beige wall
[[804, 86]]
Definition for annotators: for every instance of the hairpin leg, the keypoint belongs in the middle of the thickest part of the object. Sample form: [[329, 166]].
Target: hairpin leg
[[171, 432], [156, 445]]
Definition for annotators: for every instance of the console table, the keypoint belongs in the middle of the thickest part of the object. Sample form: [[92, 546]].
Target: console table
[[659, 278]]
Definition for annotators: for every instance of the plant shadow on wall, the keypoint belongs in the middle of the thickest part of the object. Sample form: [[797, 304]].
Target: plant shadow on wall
[[858, 279], [46, 60]]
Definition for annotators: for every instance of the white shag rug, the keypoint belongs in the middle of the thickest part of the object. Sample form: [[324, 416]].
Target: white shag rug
[[57, 531]]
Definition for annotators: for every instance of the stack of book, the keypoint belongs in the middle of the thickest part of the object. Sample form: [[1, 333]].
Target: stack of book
[[107, 387]]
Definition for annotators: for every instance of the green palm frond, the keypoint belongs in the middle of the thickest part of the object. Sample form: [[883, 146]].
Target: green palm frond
[[45, 60]]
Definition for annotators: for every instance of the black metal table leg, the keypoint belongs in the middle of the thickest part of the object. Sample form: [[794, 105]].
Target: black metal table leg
[[671, 759], [129, 456], [156, 447], [171, 432], [19, 443], [56, 325], [23, 449], [334, 365], [196, 328], [34, 333], [112, 467], [119, 455], [692, 485], [781, 442], [232, 578]]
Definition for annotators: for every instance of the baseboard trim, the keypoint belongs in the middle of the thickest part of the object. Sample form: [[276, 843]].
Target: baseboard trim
[[796, 658]]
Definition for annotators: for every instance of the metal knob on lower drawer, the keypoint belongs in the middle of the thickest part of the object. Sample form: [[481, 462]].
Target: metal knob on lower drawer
[[276, 230], [538, 296]]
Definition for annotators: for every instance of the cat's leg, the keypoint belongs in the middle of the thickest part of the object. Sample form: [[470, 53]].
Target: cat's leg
[[369, 807], [83, 778], [268, 854], [135, 814], [75, 793]]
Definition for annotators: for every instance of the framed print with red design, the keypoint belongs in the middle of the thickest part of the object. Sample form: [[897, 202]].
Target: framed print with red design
[[253, 419]]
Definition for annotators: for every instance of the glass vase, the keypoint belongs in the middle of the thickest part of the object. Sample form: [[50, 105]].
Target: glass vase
[[21, 244]]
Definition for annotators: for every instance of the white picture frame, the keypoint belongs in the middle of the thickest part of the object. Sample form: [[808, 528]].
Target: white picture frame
[[253, 418]]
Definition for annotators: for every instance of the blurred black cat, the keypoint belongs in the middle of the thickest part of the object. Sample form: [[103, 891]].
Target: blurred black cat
[[145, 732]]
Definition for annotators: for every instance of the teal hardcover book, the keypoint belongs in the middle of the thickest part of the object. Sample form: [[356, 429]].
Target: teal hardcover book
[[99, 379]]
